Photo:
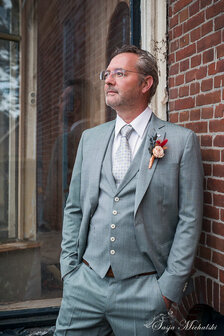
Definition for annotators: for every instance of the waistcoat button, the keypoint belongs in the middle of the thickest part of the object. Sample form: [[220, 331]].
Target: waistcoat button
[[114, 212], [112, 252], [112, 239], [117, 199]]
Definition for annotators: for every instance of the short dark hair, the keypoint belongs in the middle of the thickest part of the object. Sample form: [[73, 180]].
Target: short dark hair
[[146, 64]]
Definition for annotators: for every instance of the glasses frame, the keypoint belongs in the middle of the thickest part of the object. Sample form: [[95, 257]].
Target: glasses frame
[[114, 73]]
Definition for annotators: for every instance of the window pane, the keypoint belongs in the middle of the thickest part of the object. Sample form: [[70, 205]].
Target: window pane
[[9, 119], [9, 16], [75, 41]]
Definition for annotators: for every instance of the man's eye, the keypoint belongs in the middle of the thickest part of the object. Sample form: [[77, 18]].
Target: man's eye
[[106, 74], [119, 74]]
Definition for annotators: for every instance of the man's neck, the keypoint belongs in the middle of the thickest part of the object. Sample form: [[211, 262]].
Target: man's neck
[[131, 114]]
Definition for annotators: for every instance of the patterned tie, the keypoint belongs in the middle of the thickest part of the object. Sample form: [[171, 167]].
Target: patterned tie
[[122, 159]]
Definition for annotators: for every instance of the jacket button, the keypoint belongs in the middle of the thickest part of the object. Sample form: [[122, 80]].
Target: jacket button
[[112, 239], [112, 252], [113, 226], [114, 212], [117, 199]]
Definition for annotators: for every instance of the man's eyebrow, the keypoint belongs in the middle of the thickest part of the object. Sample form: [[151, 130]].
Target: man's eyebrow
[[115, 69]]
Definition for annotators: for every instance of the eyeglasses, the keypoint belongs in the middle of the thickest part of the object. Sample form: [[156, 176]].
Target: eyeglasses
[[117, 73]]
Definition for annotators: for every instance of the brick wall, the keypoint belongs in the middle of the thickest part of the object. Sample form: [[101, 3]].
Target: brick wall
[[196, 96]]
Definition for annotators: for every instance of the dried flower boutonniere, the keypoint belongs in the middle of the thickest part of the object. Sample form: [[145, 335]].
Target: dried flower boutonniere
[[156, 149]]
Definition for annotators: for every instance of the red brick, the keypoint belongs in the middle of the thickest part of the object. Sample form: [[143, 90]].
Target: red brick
[[184, 116], [206, 267], [198, 127], [206, 225], [208, 56], [218, 228], [186, 52], [209, 41], [221, 300], [207, 113], [206, 85], [218, 200], [195, 115], [194, 88], [221, 275], [215, 68], [206, 140], [195, 34], [220, 51], [180, 5], [218, 81], [219, 111], [207, 28], [215, 242], [177, 32], [215, 184], [184, 65], [195, 60], [171, 58], [193, 9], [222, 156], [216, 296], [205, 3], [173, 93], [201, 72], [215, 9], [211, 155], [218, 170], [179, 80], [171, 82], [193, 22], [173, 21], [202, 238], [207, 197], [222, 215], [216, 125], [219, 141], [209, 292], [207, 169], [174, 46], [190, 75], [185, 103], [174, 117], [218, 258], [219, 22], [205, 252], [172, 105], [184, 41], [184, 91], [183, 16], [208, 98], [174, 69]]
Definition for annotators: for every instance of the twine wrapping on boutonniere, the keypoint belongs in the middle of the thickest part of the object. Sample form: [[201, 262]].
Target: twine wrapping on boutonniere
[[156, 149]]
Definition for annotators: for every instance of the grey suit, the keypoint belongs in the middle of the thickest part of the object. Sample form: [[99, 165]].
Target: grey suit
[[167, 209]]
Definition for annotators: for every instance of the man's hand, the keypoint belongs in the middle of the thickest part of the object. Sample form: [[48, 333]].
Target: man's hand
[[167, 302]]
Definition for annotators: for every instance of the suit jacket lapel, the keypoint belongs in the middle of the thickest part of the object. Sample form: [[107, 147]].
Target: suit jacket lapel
[[145, 174], [100, 149]]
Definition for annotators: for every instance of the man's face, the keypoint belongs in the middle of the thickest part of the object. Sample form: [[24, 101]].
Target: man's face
[[126, 92]]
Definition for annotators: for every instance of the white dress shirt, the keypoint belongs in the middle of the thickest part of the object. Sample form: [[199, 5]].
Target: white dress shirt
[[139, 128]]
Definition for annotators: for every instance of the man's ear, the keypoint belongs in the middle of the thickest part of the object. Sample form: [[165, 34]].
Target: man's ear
[[147, 83]]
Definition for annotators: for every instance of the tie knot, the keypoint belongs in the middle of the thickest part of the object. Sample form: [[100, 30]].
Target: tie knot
[[126, 131]]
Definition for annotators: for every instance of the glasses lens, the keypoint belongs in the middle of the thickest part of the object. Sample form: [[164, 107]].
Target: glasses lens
[[102, 75]]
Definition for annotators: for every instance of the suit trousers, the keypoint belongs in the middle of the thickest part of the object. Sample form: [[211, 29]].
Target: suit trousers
[[92, 306]]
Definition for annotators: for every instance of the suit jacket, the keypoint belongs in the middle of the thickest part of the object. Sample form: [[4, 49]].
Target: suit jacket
[[168, 202]]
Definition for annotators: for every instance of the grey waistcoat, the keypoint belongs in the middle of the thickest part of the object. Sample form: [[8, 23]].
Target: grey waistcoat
[[111, 238]]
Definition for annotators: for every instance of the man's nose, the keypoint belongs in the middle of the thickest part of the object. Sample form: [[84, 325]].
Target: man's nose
[[110, 79]]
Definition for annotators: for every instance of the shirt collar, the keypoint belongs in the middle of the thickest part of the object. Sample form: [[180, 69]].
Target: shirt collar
[[139, 123]]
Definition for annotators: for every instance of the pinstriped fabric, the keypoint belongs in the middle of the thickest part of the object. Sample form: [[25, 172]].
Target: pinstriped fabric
[[123, 155]]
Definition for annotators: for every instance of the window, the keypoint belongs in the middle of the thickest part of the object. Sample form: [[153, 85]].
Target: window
[[63, 48], [9, 118]]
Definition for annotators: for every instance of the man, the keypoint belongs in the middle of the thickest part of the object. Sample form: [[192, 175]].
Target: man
[[131, 225]]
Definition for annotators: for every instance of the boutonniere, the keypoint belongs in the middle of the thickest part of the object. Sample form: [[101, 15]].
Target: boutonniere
[[156, 149]]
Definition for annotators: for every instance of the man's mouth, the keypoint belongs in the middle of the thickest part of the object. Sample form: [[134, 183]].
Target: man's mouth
[[111, 92]]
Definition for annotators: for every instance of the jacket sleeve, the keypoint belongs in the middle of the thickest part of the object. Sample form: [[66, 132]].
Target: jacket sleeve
[[72, 218], [174, 281]]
